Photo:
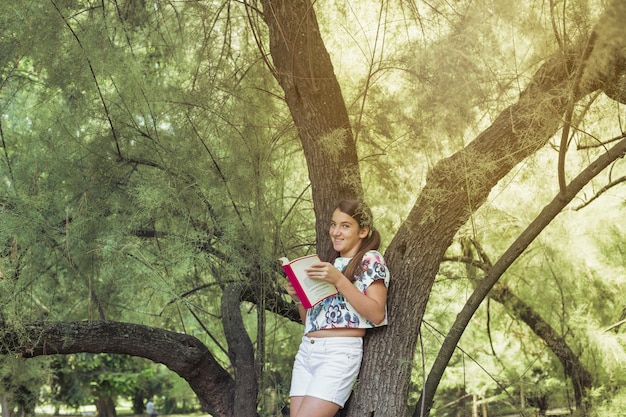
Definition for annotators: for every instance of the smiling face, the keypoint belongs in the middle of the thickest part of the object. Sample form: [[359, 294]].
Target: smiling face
[[346, 234]]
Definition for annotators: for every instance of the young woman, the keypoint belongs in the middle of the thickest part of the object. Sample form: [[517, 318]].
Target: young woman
[[329, 358]]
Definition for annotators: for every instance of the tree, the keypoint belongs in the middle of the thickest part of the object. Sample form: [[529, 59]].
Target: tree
[[139, 154], [20, 390], [83, 379], [456, 186]]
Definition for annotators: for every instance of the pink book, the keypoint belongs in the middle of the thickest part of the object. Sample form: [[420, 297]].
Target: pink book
[[310, 291]]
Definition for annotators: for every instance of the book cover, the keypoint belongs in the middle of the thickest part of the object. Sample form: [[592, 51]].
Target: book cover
[[310, 291]]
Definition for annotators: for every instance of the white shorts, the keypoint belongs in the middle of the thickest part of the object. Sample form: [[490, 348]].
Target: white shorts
[[327, 368]]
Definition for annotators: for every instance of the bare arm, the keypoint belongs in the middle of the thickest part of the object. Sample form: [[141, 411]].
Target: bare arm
[[370, 305], [292, 292]]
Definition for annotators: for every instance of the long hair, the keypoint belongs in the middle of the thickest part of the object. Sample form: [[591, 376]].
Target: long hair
[[360, 212]]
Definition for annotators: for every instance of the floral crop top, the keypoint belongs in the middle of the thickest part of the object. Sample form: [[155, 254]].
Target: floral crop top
[[335, 311]]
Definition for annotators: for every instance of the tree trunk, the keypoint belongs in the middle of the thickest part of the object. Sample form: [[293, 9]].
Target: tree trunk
[[105, 407], [474, 406], [4, 403], [303, 68], [240, 352]]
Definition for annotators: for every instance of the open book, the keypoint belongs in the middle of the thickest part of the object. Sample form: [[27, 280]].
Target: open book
[[310, 291]]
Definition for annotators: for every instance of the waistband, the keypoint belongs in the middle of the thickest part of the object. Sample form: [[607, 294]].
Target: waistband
[[349, 341]]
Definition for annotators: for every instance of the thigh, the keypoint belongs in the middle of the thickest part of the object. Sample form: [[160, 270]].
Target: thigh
[[314, 407], [294, 405]]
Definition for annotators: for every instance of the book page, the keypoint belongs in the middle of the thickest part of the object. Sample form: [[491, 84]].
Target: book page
[[315, 289]]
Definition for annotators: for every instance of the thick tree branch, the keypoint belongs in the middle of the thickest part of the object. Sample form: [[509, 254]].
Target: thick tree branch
[[510, 255], [181, 353]]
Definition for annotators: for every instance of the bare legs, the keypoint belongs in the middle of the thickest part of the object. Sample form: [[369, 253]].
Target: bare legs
[[312, 407]]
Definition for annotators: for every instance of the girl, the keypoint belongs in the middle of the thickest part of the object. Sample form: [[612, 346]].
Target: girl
[[329, 358]]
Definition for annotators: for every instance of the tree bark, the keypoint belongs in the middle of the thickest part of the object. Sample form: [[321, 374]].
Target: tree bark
[[105, 407], [181, 353], [302, 67], [240, 353]]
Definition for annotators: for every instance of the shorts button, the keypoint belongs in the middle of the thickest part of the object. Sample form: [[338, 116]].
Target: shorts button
[[312, 341]]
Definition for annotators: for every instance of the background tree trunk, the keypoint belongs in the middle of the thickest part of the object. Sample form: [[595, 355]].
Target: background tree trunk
[[574, 369], [4, 403], [240, 352], [105, 407]]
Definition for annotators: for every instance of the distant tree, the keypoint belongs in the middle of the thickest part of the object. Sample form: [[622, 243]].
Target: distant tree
[[82, 379], [20, 384]]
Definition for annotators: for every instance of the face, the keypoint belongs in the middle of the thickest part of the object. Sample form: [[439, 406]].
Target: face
[[346, 234]]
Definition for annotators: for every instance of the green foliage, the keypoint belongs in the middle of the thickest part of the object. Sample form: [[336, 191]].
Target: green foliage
[[81, 378], [607, 402], [21, 381], [142, 169], [147, 159]]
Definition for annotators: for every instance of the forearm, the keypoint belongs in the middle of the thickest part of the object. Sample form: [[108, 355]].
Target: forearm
[[370, 306], [301, 311]]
